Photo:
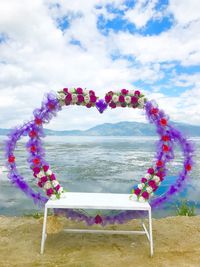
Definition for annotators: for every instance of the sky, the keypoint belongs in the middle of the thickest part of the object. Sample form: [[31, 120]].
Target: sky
[[152, 46]]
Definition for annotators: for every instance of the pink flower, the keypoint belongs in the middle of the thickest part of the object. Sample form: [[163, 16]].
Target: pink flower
[[68, 98], [121, 99], [57, 187], [108, 98], [93, 98], [80, 98], [134, 99], [145, 195], [52, 177], [137, 93], [112, 105], [79, 90], [143, 180], [44, 179], [65, 90], [137, 191], [36, 170], [45, 168], [124, 91], [150, 171], [49, 191]]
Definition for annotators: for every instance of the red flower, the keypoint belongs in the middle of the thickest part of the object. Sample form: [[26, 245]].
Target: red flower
[[57, 187], [134, 99], [98, 219], [112, 104], [80, 98], [154, 111], [137, 93], [91, 92], [33, 148], [124, 91], [51, 105], [137, 191], [38, 121], [121, 99], [152, 183], [159, 163], [163, 122], [36, 161], [88, 105], [52, 177], [32, 134], [11, 159], [65, 90], [49, 191], [79, 90], [144, 180], [44, 179], [150, 171], [40, 184], [36, 170], [68, 98], [108, 98], [93, 98], [166, 138], [145, 195], [45, 168], [188, 167], [165, 148]]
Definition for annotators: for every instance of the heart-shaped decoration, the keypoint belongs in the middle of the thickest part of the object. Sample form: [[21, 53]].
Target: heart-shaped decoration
[[45, 177]]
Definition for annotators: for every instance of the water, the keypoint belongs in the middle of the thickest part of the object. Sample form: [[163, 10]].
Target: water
[[97, 164]]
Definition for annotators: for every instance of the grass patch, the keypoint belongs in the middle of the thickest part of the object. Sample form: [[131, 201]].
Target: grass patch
[[184, 209]]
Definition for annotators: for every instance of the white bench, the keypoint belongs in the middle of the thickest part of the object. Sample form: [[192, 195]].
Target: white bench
[[105, 201]]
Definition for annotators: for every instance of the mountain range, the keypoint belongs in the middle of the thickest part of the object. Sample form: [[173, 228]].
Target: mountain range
[[124, 128]]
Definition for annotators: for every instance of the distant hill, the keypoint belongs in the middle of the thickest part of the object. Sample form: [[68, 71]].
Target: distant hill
[[125, 128]]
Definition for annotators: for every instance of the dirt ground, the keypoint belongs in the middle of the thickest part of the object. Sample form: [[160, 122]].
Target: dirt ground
[[176, 243]]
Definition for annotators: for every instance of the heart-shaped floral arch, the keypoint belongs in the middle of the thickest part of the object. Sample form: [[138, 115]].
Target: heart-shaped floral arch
[[46, 179]]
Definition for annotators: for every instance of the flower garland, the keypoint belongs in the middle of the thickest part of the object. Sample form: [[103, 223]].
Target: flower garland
[[46, 179]]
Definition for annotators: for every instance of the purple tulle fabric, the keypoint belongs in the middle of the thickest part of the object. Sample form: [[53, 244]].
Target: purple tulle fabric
[[49, 108]]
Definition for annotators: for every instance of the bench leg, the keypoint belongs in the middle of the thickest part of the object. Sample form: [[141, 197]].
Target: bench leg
[[44, 234], [150, 233]]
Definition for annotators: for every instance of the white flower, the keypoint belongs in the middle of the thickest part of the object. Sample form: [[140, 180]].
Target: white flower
[[53, 197], [60, 190], [148, 175], [86, 92], [74, 98], [87, 99], [128, 99], [133, 197], [55, 183], [47, 185], [140, 186], [115, 98], [49, 172], [61, 96], [40, 174], [141, 199], [149, 189], [156, 178]]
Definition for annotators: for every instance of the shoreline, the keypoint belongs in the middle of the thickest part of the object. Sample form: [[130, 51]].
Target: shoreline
[[176, 243]]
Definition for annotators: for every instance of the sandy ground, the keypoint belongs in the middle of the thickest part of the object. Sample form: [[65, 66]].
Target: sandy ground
[[176, 243]]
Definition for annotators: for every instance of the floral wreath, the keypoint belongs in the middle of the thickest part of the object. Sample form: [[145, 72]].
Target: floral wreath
[[46, 179]]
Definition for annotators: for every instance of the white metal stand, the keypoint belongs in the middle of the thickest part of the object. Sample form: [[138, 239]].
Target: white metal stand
[[77, 200]]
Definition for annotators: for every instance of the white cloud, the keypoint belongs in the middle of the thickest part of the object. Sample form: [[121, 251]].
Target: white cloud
[[38, 57]]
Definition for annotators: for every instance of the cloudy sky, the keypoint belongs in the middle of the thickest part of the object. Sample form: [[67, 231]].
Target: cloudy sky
[[153, 46]]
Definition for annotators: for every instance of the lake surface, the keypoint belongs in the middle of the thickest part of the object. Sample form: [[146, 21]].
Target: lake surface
[[97, 164]]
